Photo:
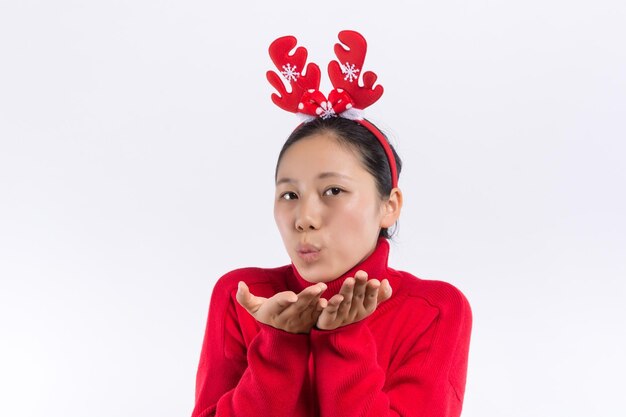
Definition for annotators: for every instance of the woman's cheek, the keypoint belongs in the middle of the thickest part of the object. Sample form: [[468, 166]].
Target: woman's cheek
[[281, 215]]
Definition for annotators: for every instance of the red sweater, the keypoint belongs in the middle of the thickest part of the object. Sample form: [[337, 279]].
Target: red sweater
[[409, 358]]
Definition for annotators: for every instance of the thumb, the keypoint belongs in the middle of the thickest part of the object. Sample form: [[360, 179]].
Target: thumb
[[245, 297]]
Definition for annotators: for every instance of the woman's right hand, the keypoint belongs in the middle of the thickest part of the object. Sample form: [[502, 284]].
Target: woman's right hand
[[285, 310]]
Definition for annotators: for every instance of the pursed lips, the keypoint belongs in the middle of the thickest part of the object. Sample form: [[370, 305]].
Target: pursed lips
[[308, 252]]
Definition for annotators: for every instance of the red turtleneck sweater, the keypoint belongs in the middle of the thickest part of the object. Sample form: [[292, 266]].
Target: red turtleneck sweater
[[409, 358]]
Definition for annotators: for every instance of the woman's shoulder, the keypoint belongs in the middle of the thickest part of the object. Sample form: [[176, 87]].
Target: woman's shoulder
[[438, 294]]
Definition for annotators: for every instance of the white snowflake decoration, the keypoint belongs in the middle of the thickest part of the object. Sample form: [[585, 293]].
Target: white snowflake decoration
[[350, 70], [290, 73], [325, 110]]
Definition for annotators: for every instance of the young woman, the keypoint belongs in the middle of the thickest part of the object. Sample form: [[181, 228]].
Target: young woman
[[337, 332]]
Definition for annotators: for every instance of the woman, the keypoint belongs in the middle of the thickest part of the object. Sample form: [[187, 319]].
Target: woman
[[337, 332]]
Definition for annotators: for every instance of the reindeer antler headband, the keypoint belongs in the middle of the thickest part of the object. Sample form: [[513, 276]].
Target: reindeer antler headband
[[347, 99]]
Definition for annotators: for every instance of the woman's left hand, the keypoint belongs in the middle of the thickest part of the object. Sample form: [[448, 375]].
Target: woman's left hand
[[357, 299]]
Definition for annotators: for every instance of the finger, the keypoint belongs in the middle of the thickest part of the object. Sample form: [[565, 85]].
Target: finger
[[360, 288], [279, 302], [334, 303], [310, 312], [309, 297], [285, 299], [327, 318], [313, 292], [360, 275], [371, 295], [385, 292], [319, 308], [317, 297], [347, 290]]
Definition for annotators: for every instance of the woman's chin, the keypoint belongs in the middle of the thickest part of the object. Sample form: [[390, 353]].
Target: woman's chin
[[314, 273]]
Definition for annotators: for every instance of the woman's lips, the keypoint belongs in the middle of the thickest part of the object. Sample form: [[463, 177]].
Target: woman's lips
[[308, 253]]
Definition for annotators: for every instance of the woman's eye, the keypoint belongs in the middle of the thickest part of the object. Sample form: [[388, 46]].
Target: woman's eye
[[333, 191], [289, 195]]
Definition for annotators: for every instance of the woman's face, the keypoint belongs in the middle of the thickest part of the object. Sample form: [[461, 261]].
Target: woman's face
[[327, 208]]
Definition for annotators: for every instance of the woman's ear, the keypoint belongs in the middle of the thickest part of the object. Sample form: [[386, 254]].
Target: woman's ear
[[391, 208]]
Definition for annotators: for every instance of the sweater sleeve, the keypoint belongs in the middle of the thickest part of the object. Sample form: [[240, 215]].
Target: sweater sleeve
[[267, 378], [427, 379]]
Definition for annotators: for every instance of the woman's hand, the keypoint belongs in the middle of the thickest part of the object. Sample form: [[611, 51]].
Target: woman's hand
[[357, 299], [285, 310]]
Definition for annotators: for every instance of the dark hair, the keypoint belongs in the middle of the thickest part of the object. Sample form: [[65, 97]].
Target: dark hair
[[358, 138]]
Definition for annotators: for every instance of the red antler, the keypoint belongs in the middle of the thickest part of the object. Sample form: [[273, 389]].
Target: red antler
[[345, 73], [290, 67]]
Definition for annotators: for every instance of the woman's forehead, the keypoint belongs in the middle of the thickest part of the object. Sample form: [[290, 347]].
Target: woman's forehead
[[319, 154]]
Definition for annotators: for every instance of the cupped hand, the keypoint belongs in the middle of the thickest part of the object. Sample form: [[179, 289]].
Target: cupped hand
[[357, 299], [288, 311]]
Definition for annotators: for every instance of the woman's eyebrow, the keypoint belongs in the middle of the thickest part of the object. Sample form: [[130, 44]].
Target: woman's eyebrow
[[319, 177], [333, 174], [284, 180]]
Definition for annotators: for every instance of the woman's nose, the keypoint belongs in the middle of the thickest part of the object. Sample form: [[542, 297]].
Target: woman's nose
[[308, 216]]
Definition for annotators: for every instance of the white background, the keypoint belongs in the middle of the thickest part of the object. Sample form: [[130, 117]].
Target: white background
[[137, 149]]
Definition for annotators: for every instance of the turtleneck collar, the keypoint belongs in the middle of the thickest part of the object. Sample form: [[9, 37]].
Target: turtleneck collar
[[375, 265]]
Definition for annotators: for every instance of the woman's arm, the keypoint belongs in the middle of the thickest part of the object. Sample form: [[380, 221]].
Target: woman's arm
[[269, 377], [427, 379]]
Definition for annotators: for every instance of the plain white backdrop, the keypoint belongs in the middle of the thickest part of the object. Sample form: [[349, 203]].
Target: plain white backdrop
[[137, 149]]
